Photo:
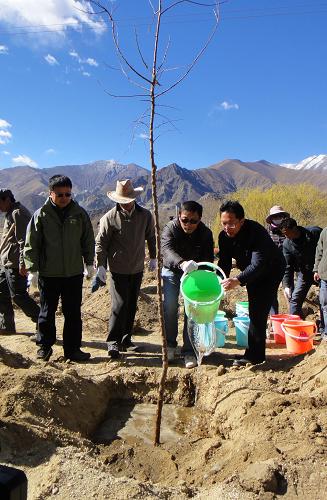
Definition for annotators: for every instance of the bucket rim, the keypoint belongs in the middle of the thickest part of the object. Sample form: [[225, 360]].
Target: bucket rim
[[301, 339]]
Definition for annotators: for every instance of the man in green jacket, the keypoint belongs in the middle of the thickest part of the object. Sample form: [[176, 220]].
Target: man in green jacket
[[320, 275], [13, 275], [59, 243]]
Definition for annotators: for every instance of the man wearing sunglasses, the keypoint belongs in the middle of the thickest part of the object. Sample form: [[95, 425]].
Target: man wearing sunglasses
[[184, 242], [59, 244]]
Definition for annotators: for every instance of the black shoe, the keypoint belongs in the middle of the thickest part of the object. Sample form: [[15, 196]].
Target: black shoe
[[78, 355], [245, 361], [44, 353], [113, 350]]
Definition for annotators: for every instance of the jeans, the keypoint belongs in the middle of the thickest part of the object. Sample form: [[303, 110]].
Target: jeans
[[13, 287], [302, 286], [70, 291], [171, 288], [124, 291], [323, 303]]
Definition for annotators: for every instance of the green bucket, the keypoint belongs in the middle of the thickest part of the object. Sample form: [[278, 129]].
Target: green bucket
[[202, 292]]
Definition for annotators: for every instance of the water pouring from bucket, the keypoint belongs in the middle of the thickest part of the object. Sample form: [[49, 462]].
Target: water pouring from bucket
[[202, 292]]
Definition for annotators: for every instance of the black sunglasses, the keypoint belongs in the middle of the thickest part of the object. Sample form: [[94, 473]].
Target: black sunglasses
[[185, 220], [61, 195]]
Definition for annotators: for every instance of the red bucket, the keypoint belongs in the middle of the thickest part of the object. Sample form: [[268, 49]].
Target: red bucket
[[276, 321], [299, 335]]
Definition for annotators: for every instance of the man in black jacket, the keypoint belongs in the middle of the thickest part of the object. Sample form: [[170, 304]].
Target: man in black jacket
[[262, 267], [184, 241], [299, 248]]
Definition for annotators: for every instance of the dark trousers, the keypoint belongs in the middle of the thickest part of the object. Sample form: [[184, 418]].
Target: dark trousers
[[260, 297], [171, 289], [301, 288], [124, 291], [13, 287], [70, 292]]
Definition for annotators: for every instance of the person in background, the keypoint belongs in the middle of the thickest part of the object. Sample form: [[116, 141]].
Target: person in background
[[120, 243], [299, 250], [262, 268], [13, 274], [184, 242], [275, 217], [59, 245], [320, 276]]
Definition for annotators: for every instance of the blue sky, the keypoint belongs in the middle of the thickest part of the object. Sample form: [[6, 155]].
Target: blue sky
[[258, 92]]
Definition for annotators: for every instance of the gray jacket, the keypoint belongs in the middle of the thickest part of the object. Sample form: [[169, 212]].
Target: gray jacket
[[11, 253], [320, 265], [121, 240]]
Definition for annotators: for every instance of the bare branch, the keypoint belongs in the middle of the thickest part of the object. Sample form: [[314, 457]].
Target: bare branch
[[188, 1], [165, 55], [139, 50], [153, 9]]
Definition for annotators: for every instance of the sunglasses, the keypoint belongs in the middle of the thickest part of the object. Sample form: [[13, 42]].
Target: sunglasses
[[185, 220], [61, 195]]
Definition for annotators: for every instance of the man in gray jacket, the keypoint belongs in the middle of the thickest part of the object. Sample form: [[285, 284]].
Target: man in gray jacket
[[320, 275], [59, 243], [13, 275], [121, 243]]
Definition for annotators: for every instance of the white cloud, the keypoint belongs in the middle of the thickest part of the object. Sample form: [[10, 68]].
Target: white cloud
[[4, 123], [24, 160], [85, 73], [49, 15], [143, 136], [51, 60], [50, 151], [6, 153], [73, 53], [3, 49], [5, 136], [225, 105], [91, 62]]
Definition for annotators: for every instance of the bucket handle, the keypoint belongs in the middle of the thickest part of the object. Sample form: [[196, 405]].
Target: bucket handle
[[244, 328], [302, 339], [221, 331], [213, 266]]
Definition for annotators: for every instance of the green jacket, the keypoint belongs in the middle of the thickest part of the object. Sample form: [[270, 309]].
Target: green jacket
[[320, 265], [56, 247], [12, 246]]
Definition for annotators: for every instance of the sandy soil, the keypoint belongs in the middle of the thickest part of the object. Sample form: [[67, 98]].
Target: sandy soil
[[259, 432]]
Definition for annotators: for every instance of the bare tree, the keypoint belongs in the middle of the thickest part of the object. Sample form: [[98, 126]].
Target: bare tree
[[149, 80]]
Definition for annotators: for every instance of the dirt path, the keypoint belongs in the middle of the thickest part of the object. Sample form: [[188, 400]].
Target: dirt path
[[83, 430]]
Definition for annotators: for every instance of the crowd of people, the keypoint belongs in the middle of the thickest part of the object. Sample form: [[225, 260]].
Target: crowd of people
[[56, 245]]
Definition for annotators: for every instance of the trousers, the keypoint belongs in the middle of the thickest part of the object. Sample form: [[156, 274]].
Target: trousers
[[13, 288]]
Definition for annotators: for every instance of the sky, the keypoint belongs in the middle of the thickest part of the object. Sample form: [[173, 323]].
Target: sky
[[257, 92]]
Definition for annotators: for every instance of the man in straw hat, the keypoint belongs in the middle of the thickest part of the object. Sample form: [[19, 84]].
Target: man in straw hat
[[13, 274], [276, 215], [120, 243]]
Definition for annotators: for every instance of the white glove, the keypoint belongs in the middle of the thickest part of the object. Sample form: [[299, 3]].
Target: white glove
[[33, 280], [287, 292], [102, 274], [89, 272], [188, 266], [152, 264]]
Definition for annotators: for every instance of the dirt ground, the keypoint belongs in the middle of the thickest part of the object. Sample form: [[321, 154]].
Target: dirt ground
[[84, 430]]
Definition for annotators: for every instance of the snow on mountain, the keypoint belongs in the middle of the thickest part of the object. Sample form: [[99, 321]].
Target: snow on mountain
[[312, 162]]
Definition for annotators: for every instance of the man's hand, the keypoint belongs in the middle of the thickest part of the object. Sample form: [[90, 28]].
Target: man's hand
[[102, 274], [152, 264], [22, 270], [230, 283], [89, 272], [188, 266], [316, 277], [287, 292]]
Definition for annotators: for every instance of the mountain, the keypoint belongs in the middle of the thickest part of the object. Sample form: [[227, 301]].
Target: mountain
[[91, 181]]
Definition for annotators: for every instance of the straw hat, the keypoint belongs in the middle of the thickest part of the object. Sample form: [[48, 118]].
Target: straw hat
[[276, 210], [125, 193]]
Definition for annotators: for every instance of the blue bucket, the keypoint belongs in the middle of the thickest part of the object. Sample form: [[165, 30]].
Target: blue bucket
[[221, 325], [242, 330]]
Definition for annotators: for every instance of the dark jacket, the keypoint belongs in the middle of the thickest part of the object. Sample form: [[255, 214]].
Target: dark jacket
[[255, 253], [57, 247], [300, 254], [177, 246], [12, 247], [121, 240]]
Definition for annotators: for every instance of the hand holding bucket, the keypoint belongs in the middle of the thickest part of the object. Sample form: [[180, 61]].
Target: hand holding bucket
[[202, 292]]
